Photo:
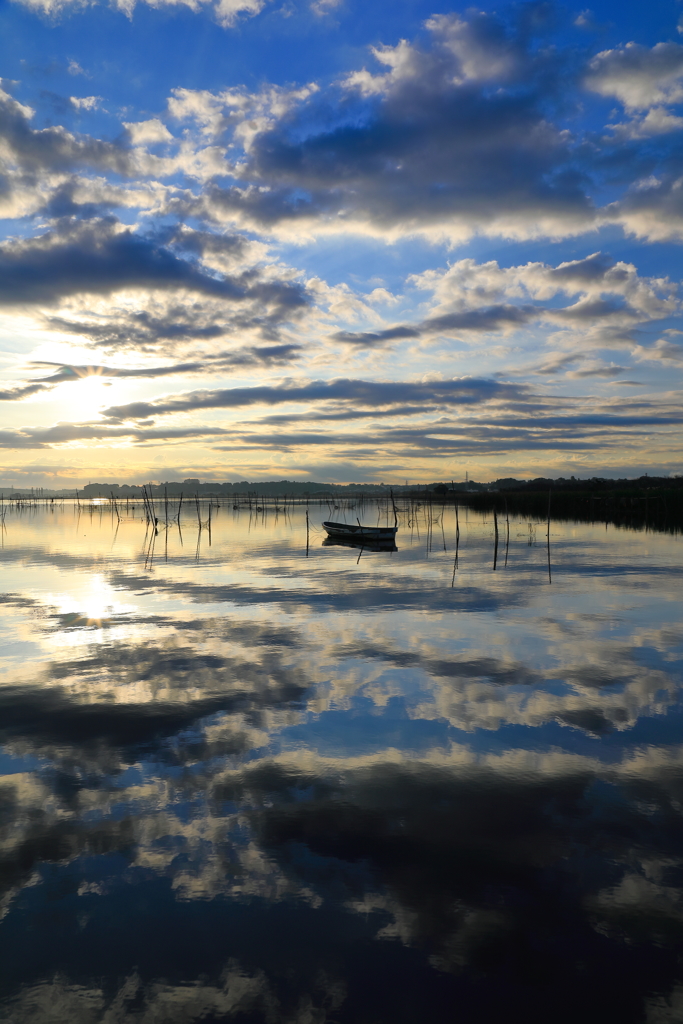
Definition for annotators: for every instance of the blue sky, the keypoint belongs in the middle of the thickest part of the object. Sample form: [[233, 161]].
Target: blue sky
[[355, 241]]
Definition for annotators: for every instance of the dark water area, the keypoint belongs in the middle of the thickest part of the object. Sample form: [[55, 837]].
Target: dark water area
[[242, 782]]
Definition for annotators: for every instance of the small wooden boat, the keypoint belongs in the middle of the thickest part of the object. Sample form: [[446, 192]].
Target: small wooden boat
[[349, 531]]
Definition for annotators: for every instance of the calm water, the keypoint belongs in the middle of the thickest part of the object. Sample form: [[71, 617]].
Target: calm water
[[242, 784]]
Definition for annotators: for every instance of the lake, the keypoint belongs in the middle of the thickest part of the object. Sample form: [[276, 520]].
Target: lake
[[251, 779]]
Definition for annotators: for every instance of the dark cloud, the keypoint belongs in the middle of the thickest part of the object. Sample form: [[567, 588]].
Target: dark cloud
[[503, 673], [196, 685], [496, 436], [493, 318], [325, 415], [599, 371], [101, 257], [22, 391], [587, 272], [63, 203], [142, 330], [63, 433], [473, 864], [373, 339], [428, 144], [54, 149], [207, 243], [515, 418], [462, 391], [252, 355]]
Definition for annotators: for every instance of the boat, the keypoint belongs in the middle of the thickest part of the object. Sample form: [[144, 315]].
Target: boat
[[357, 532]]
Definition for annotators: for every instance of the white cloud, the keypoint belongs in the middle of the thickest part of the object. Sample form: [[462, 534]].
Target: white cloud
[[238, 112], [637, 76], [652, 210], [657, 121], [468, 284], [85, 102], [323, 7], [227, 12], [664, 350], [50, 8], [142, 132], [76, 69]]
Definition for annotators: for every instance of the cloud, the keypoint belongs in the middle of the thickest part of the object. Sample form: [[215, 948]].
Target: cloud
[[426, 146], [226, 12], [323, 7], [600, 286], [179, 298], [459, 391], [597, 370], [586, 20], [52, 149], [96, 258], [471, 299], [371, 339], [15, 394], [450, 419], [265, 355], [85, 102], [652, 209], [664, 350], [657, 121], [463, 130], [638, 76], [143, 132]]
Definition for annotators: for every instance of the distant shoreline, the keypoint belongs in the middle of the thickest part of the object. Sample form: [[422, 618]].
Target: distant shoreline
[[294, 488]]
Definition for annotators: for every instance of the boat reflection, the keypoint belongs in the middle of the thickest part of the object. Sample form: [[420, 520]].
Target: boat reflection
[[361, 544]]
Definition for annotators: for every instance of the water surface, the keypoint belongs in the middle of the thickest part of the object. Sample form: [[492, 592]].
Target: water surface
[[246, 782]]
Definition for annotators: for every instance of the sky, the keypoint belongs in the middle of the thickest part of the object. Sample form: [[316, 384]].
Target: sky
[[339, 240]]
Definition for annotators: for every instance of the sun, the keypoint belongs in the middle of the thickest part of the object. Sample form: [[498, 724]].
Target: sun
[[84, 398]]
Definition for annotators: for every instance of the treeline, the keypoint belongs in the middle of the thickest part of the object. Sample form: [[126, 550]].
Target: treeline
[[192, 486], [526, 494], [650, 502]]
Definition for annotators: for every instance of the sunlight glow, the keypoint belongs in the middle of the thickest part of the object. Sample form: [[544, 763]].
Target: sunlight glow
[[90, 395], [96, 605]]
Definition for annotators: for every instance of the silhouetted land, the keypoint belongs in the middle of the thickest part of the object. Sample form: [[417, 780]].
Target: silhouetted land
[[651, 502], [646, 502]]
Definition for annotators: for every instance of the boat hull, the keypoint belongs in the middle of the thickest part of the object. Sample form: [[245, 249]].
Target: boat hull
[[347, 531]]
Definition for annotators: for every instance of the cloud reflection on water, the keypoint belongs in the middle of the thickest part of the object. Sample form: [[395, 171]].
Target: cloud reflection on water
[[341, 773]]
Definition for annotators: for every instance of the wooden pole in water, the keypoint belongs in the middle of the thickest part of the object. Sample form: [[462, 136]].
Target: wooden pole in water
[[307, 527], [457, 543], [550, 578], [495, 547], [507, 530]]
